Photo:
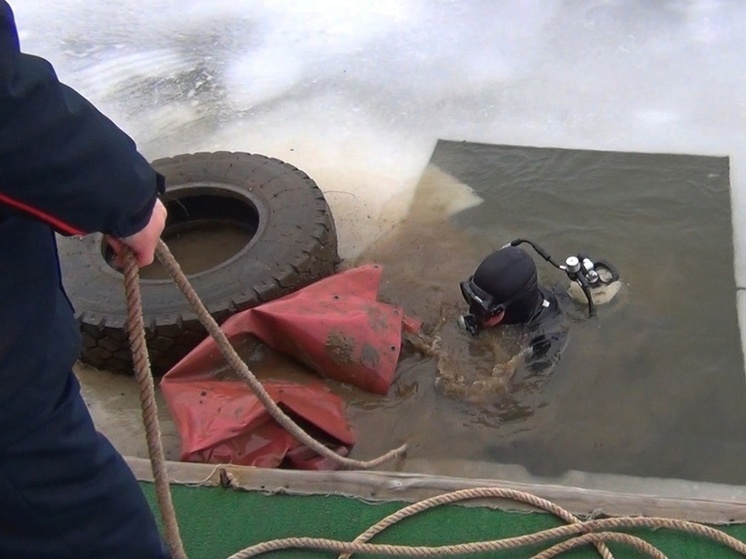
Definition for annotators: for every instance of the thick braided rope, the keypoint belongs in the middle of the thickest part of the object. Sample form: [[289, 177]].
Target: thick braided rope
[[598, 538], [473, 493], [136, 332], [237, 364], [496, 545]]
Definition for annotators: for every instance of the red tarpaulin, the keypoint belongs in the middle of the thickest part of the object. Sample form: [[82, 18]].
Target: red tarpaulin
[[335, 326]]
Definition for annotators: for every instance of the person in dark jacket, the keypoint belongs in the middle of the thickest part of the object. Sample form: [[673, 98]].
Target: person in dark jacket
[[64, 167]]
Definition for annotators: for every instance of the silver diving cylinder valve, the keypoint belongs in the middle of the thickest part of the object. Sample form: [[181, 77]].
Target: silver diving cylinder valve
[[583, 271], [590, 271], [572, 264]]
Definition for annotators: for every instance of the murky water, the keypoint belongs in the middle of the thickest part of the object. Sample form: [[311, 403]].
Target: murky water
[[200, 247], [653, 386]]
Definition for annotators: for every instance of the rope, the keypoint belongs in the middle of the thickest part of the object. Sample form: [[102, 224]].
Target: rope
[[584, 528], [136, 333], [598, 539], [580, 532], [475, 493]]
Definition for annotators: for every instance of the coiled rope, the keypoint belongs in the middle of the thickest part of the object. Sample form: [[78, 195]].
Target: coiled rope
[[581, 532]]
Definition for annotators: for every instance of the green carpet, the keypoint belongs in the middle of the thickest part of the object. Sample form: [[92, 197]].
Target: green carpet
[[216, 523]]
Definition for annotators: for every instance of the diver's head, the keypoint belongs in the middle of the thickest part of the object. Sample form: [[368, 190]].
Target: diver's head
[[503, 290]]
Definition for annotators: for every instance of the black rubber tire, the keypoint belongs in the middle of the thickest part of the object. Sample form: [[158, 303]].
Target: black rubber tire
[[294, 244]]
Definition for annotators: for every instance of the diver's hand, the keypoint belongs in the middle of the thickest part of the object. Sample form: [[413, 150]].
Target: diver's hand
[[502, 374], [517, 361], [484, 389], [144, 242], [506, 371]]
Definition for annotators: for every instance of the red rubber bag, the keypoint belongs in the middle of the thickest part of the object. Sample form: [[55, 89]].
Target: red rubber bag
[[336, 327]]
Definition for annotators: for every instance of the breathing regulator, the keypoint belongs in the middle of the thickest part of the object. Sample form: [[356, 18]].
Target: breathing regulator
[[588, 274]]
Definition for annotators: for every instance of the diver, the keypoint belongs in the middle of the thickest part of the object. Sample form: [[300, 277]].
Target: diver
[[533, 323], [504, 290]]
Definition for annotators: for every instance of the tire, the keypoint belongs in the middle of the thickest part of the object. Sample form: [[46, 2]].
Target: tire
[[289, 242]]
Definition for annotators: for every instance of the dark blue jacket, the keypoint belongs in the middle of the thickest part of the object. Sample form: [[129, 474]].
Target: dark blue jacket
[[64, 167]]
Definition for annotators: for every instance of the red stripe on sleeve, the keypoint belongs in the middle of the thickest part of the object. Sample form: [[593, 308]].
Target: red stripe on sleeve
[[61, 226]]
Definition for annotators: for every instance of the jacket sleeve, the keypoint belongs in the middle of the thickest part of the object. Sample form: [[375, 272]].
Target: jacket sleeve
[[61, 160]]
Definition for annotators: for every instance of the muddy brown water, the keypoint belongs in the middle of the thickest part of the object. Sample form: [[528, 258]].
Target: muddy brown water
[[653, 386], [200, 247]]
